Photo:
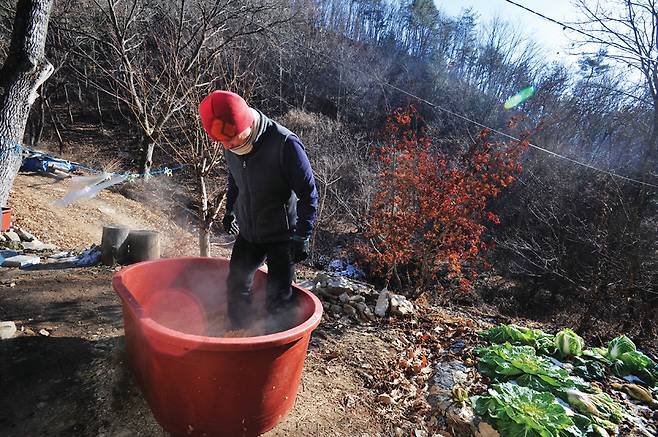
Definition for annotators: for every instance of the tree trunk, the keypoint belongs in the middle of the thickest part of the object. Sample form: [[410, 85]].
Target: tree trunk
[[147, 146], [100, 112], [204, 228], [643, 195], [34, 128], [38, 132], [23, 72], [204, 240], [68, 104]]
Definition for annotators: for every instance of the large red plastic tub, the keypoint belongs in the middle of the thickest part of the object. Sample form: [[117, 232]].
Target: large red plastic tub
[[198, 384]]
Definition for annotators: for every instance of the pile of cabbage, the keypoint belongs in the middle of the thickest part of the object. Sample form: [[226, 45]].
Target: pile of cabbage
[[545, 385]]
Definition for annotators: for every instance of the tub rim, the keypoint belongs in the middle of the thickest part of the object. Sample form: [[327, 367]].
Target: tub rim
[[201, 342]]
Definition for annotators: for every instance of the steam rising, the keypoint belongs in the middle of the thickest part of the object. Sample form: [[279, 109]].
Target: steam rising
[[196, 304]]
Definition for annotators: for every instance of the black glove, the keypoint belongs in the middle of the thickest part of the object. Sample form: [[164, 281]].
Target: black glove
[[299, 249], [230, 224]]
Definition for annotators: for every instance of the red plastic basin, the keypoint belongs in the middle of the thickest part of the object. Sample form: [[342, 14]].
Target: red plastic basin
[[197, 384]]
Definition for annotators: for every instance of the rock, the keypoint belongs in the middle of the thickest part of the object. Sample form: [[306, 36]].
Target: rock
[[321, 280], [12, 236], [349, 310], [44, 333], [385, 399], [35, 245], [400, 306], [324, 295], [336, 309], [13, 245], [365, 312], [7, 330], [420, 433], [486, 430], [446, 376], [461, 419], [383, 302], [338, 286], [21, 261], [357, 298], [62, 255], [344, 298], [349, 401], [38, 246], [308, 284], [457, 346], [24, 235]]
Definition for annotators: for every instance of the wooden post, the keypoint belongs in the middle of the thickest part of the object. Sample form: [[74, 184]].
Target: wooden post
[[143, 245], [114, 246]]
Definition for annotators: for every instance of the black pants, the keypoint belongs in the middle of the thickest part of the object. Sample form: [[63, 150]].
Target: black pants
[[245, 259]]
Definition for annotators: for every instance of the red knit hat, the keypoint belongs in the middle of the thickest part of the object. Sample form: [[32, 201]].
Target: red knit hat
[[224, 115]]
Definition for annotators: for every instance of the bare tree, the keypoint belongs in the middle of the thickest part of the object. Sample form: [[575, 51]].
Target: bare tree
[[188, 142], [626, 30], [25, 69], [157, 53]]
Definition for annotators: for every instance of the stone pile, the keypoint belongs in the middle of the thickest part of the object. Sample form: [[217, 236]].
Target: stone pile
[[356, 300], [21, 249]]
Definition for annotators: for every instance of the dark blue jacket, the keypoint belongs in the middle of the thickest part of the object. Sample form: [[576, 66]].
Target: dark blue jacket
[[271, 190]]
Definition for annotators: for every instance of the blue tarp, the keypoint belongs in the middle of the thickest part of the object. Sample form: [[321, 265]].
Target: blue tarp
[[42, 163], [342, 268], [4, 254]]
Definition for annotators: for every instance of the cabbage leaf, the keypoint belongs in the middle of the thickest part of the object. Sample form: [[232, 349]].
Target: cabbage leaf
[[520, 411], [519, 335]]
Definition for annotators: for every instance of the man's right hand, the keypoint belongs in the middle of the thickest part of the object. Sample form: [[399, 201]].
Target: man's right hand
[[230, 224]]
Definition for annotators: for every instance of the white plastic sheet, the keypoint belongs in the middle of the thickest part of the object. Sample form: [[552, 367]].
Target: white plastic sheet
[[86, 187]]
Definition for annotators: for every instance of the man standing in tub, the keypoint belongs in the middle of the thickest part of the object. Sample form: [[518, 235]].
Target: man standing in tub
[[271, 201]]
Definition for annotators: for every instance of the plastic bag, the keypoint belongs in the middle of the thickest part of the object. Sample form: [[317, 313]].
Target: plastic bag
[[86, 187]]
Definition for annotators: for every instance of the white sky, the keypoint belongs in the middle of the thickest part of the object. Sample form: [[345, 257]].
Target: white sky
[[547, 34]]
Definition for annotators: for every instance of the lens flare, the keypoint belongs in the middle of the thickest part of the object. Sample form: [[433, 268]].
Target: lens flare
[[519, 97]]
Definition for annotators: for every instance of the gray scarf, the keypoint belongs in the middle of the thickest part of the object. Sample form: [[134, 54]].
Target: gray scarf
[[260, 124]]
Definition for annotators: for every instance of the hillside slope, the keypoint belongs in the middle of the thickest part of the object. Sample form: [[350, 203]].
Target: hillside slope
[[81, 224]]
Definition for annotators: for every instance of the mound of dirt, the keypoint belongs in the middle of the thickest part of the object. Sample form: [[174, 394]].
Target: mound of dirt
[[80, 225]]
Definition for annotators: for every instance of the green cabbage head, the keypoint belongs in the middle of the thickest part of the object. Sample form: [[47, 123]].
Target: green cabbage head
[[568, 343], [619, 346]]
